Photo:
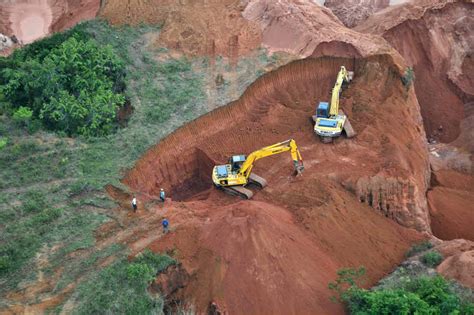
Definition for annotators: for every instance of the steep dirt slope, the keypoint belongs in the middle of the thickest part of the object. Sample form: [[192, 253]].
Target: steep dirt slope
[[245, 252], [30, 20], [435, 38]]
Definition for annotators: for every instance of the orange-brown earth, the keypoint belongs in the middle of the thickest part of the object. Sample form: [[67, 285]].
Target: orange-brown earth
[[296, 232], [202, 27], [436, 39]]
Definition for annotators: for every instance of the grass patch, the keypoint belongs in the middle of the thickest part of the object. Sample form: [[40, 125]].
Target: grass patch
[[122, 287], [418, 248]]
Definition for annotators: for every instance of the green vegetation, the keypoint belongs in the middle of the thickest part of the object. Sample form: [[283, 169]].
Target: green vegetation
[[52, 189], [76, 88], [422, 295], [418, 248], [122, 287], [432, 259], [408, 77]]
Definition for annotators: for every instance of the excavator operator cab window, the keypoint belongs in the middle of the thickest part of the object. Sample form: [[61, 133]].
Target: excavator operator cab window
[[236, 161], [322, 110]]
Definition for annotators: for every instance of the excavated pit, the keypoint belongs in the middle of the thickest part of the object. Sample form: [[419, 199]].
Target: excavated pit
[[275, 108], [278, 106], [294, 234]]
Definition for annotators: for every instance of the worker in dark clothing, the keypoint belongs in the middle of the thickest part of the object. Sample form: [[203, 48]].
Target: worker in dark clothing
[[165, 224], [134, 204], [162, 195]]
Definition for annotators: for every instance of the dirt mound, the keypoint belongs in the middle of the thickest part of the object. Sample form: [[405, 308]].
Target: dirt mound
[[245, 252], [205, 27], [248, 255], [30, 20], [435, 38], [451, 205], [459, 261]]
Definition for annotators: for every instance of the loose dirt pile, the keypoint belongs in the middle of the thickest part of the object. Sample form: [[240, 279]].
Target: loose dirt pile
[[293, 235], [30, 20]]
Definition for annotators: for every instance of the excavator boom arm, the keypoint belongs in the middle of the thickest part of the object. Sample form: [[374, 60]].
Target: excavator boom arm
[[289, 145], [342, 76]]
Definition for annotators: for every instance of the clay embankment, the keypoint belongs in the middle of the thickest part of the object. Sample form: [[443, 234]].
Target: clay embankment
[[247, 252], [435, 37]]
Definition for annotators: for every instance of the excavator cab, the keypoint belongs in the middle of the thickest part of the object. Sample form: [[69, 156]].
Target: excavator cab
[[236, 162], [323, 110]]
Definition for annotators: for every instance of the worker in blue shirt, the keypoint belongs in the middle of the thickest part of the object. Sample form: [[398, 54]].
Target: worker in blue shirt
[[165, 224], [162, 195]]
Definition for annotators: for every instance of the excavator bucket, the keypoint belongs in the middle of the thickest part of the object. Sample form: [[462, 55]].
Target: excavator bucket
[[299, 168]]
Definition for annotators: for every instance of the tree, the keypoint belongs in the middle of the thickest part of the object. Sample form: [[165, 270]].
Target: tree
[[75, 87]]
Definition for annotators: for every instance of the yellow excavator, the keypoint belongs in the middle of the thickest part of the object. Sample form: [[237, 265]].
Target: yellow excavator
[[233, 177], [329, 119]]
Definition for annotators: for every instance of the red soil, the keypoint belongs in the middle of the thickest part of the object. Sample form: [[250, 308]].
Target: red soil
[[451, 204], [198, 27], [294, 234], [435, 38]]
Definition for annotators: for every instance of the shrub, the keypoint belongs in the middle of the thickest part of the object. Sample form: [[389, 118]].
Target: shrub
[[432, 259], [22, 116], [422, 295], [3, 142], [408, 77], [418, 248]]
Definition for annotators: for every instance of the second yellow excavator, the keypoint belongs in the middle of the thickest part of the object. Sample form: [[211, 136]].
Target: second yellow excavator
[[233, 177], [329, 119]]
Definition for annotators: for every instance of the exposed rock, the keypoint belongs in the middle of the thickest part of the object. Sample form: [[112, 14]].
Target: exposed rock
[[352, 12], [436, 38], [459, 261]]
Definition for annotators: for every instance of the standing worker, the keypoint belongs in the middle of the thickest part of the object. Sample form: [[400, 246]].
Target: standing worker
[[162, 195], [134, 204], [165, 224]]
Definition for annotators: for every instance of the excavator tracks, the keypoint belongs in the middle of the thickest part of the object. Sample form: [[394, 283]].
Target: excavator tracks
[[257, 180], [238, 191]]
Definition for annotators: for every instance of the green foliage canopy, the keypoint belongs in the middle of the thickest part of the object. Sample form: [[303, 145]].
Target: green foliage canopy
[[422, 295], [75, 87]]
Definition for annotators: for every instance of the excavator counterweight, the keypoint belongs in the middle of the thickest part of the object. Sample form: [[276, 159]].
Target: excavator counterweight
[[234, 176]]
